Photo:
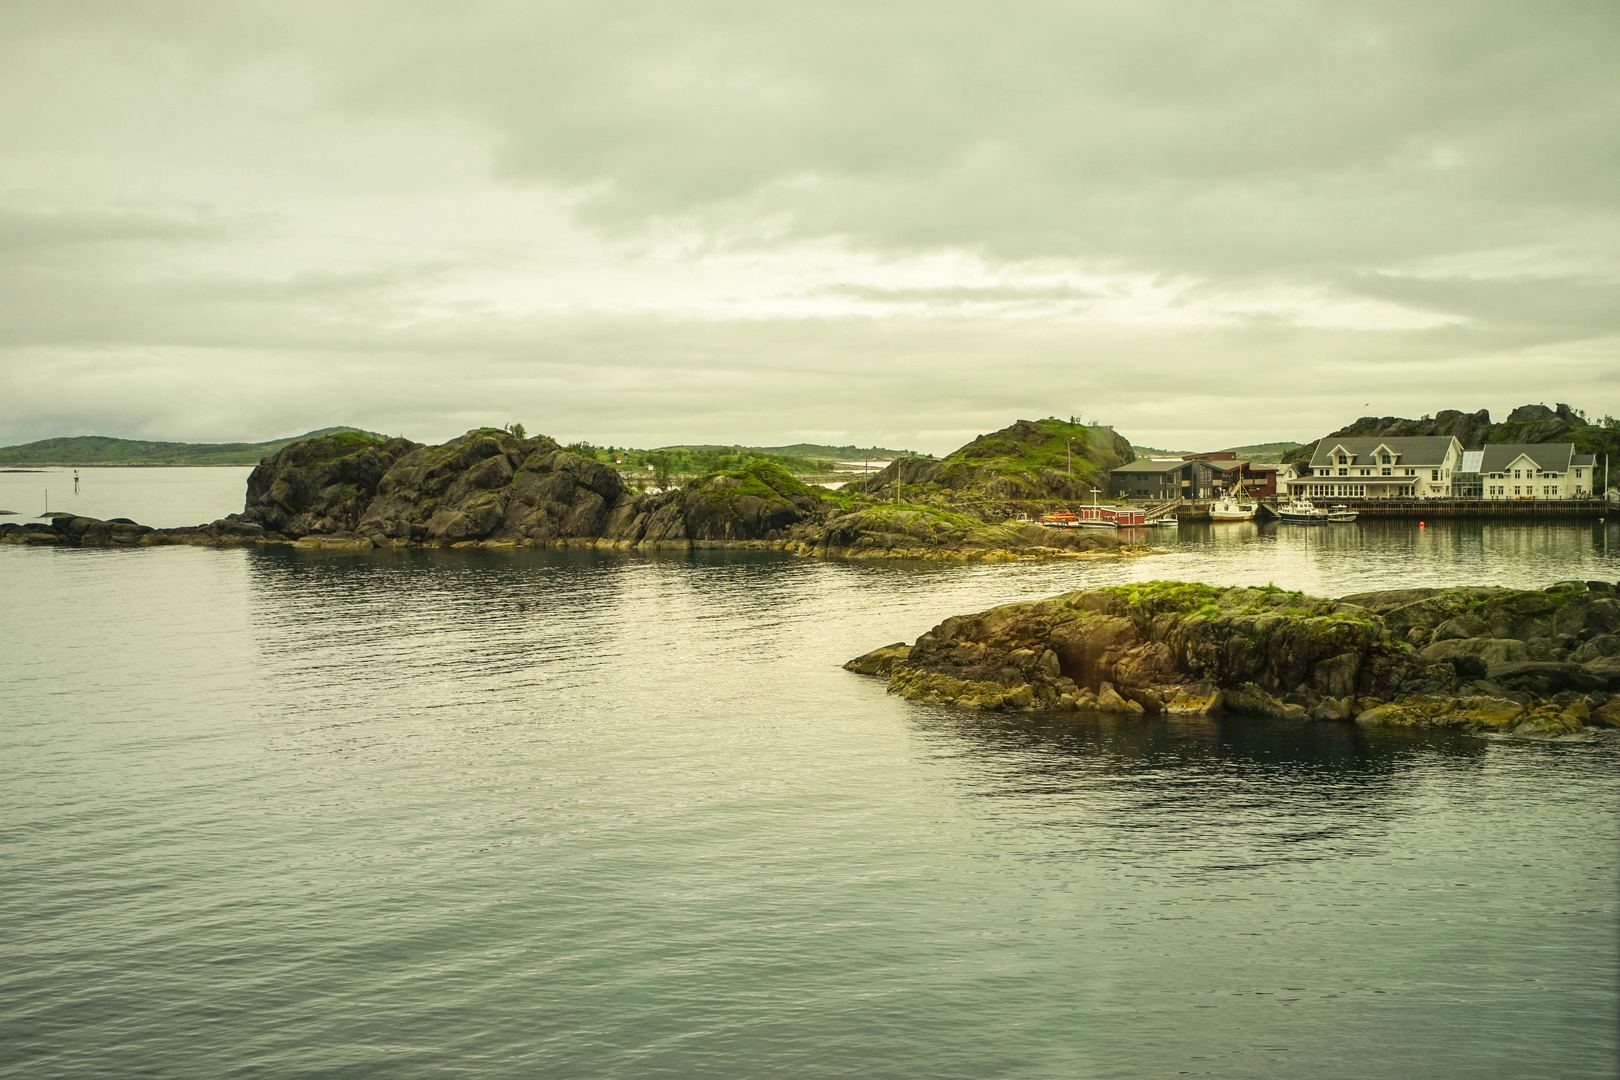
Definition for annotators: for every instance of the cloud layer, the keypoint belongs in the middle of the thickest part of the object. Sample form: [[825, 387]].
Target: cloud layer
[[761, 223]]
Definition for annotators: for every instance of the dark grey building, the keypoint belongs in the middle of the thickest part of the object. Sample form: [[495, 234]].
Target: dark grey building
[[1157, 479]]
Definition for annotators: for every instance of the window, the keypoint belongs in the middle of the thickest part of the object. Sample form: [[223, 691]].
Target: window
[[1388, 461], [1434, 474], [1515, 476], [1516, 490], [1577, 474], [1387, 472], [1344, 472]]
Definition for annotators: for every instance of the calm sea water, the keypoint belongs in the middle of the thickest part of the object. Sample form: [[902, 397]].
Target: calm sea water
[[284, 813]]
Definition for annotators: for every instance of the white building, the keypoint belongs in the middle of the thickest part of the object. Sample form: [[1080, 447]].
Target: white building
[[1413, 467], [1537, 471]]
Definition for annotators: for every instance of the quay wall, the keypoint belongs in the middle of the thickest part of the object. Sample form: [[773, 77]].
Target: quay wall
[[1497, 510], [1526, 510]]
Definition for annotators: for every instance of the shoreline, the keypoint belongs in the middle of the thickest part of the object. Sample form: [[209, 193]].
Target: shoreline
[[68, 530]]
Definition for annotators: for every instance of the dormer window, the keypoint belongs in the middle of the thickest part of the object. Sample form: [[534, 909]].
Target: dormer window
[[1389, 459]]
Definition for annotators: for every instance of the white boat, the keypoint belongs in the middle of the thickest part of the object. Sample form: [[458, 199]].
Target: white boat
[[1341, 513], [1169, 521], [1233, 506], [1301, 512]]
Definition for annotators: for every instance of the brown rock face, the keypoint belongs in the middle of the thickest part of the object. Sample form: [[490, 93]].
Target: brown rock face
[[489, 485], [1190, 649]]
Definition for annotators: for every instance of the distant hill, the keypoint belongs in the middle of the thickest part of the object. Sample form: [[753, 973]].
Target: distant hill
[[1270, 451], [801, 450], [101, 450], [1526, 424]]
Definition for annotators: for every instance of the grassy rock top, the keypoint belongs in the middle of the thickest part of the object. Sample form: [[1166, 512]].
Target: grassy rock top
[[1024, 466], [1534, 662]]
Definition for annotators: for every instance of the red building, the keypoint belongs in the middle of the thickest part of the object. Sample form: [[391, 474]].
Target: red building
[[1261, 480]]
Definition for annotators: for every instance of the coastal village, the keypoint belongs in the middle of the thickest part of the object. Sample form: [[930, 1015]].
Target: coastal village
[[1383, 475], [1026, 490]]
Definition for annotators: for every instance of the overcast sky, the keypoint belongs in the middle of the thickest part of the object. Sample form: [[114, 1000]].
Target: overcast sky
[[894, 223]]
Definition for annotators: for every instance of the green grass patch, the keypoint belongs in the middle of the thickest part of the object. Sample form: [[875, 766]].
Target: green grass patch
[[761, 479], [950, 517], [1167, 596]]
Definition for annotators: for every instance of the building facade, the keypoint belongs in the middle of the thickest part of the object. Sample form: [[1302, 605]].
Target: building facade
[[1537, 471], [1259, 480], [1159, 479], [1413, 467]]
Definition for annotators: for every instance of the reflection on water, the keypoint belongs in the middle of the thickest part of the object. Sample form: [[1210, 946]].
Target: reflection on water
[[557, 813]]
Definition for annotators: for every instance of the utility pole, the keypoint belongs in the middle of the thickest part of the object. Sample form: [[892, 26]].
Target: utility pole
[[1068, 448]]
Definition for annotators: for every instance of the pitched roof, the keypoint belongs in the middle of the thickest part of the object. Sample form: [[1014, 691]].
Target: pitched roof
[[1426, 450], [1589, 460], [1154, 465], [1549, 457]]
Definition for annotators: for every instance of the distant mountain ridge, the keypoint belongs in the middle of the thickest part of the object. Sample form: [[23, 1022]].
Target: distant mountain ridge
[[1526, 424], [103, 450], [800, 450], [1271, 451]]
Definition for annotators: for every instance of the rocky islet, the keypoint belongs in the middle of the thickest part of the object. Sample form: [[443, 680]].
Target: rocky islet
[[492, 488], [1532, 663]]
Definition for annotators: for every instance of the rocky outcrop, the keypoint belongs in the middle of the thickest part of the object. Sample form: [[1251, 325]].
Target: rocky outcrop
[[1478, 659], [1526, 424], [320, 485], [1030, 463], [492, 487]]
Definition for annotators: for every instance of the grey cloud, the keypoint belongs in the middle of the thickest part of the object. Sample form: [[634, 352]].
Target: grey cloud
[[1315, 146], [36, 232]]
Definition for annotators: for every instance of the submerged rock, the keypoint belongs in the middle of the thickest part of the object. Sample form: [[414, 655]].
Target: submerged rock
[[1187, 649]]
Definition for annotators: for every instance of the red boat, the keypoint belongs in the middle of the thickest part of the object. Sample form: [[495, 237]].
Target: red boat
[[1096, 517]]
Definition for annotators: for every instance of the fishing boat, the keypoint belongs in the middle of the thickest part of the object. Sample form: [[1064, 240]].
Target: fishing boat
[[1341, 513], [1233, 505], [1298, 511]]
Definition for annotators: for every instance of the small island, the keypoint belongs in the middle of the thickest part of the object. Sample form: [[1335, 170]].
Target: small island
[[1531, 663], [501, 488]]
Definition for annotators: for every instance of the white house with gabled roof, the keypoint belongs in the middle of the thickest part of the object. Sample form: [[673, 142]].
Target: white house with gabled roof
[[1537, 471], [1375, 467]]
